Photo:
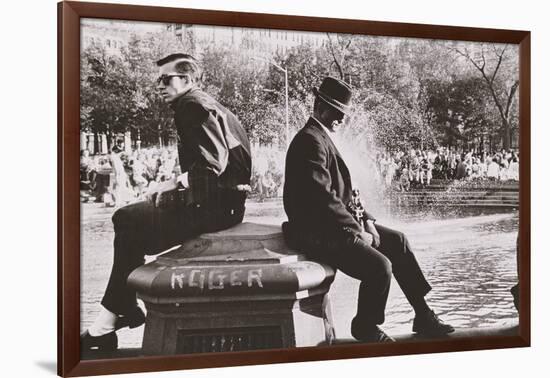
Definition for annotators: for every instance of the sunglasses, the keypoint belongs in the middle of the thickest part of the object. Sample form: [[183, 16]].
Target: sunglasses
[[165, 79]]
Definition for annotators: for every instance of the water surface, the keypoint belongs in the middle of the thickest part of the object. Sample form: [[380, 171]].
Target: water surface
[[469, 259]]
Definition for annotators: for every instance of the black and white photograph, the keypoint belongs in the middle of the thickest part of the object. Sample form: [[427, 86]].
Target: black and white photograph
[[246, 188]]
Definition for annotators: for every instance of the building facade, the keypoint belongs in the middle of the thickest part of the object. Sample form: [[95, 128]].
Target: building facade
[[266, 42]]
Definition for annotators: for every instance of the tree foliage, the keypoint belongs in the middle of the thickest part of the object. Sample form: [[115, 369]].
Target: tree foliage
[[497, 65], [118, 91], [407, 93]]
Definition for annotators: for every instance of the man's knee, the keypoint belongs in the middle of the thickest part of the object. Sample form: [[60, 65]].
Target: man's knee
[[384, 268], [378, 274], [394, 241], [372, 263], [377, 270], [401, 238]]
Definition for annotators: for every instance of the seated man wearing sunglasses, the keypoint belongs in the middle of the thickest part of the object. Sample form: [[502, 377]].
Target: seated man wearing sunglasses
[[214, 156]]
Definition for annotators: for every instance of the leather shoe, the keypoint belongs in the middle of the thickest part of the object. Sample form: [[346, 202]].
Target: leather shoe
[[431, 325], [103, 343], [370, 334], [133, 319]]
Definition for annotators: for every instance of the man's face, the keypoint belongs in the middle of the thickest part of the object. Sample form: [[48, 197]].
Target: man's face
[[170, 83], [333, 119]]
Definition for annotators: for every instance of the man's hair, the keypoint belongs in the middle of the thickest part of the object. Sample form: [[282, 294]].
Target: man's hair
[[185, 64]]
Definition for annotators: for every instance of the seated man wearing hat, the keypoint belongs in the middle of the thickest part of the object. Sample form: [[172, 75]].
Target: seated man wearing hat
[[317, 196]]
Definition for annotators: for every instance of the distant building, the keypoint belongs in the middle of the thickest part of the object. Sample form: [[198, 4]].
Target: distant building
[[113, 35], [268, 41], [109, 34]]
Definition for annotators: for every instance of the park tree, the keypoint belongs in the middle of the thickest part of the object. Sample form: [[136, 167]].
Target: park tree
[[104, 100], [118, 90], [473, 112], [239, 83], [407, 93], [497, 66], [338, 48], [150, 116], [463, 111], [390, 93], [306, 66], [370, 66]]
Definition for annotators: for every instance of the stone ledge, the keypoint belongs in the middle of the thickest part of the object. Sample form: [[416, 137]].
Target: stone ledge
[[458, 334]]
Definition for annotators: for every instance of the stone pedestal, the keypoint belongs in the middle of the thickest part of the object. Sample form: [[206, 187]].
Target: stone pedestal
[[239, 289]]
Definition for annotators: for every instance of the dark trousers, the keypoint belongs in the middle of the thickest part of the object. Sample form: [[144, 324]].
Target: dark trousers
[[143, 229], [374, 268]]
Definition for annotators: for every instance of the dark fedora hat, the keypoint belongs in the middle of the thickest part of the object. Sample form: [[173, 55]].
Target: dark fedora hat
[[336, 93]]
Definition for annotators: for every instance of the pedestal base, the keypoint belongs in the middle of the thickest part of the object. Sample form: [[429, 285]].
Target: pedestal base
[[238, 325], [240, 289]]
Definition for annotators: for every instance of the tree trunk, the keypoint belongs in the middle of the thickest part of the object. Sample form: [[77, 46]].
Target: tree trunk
[[109, 137], [160, 136], [505, 135], [96, 143], [481, 144]]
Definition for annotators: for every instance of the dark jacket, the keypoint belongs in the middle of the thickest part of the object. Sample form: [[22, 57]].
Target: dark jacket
[[213, 146], [317, 186], [461, 171]]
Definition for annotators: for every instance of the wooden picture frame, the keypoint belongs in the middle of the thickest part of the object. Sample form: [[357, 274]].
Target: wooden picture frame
[[69, 15]]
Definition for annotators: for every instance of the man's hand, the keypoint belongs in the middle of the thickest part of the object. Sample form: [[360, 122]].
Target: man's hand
[[366, 237], [371, 229], [183, 180], [163, 194]]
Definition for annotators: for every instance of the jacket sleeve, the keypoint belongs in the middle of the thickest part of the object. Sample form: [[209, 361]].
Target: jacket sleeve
[[206, 132], [312, 167]]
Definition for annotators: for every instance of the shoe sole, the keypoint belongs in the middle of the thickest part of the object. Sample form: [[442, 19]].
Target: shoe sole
[[95, 348], [431, 333]]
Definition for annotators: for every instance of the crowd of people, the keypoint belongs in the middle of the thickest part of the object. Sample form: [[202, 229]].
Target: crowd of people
[[121, 177], [267, 172], [417, 168]]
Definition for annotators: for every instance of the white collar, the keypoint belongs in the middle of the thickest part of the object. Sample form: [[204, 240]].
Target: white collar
[[330, 134]]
